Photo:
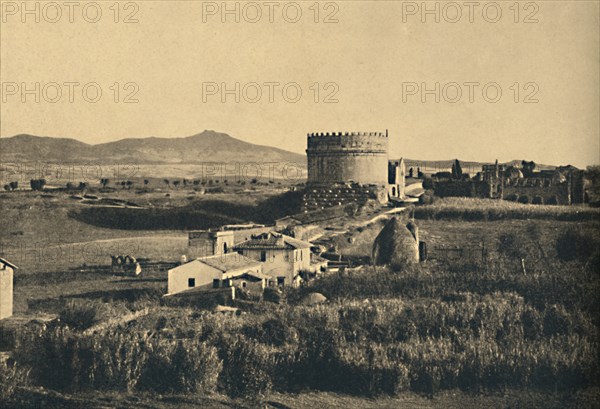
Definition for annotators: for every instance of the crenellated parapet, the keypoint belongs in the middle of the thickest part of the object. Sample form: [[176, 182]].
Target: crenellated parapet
[[326, 134], [347, 157]]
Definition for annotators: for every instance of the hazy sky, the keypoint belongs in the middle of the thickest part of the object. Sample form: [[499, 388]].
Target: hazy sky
[[376, 59]]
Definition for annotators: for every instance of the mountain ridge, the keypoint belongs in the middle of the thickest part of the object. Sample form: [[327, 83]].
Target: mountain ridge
[[207, 146]]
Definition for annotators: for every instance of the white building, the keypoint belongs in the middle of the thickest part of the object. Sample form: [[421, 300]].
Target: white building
[[219, 271], [6, 288], [282, 257]]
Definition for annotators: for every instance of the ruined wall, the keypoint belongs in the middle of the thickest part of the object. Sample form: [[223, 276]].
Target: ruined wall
[[359, 157], [467, 188], [548, 193]]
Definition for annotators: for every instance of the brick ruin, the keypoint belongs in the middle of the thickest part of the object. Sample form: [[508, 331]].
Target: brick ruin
[[564, 185]]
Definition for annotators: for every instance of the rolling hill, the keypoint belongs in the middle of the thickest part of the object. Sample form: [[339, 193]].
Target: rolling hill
[[208, 146]]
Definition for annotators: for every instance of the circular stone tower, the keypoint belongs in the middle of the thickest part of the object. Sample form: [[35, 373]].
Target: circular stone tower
[[349, 157]]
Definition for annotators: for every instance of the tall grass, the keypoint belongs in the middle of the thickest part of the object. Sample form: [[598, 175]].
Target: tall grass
[[476, 326], [471, 209]]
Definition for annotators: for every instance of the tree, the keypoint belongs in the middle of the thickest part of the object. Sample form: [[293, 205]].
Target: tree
[[410, 172], [146, 181], [528, 168], [456, 170], [129, 183], [104, 182], [83, 185], [37, 184], [419, 173], [592, 174], [176, 183], [166, 182], [14, 185], [7, 188]]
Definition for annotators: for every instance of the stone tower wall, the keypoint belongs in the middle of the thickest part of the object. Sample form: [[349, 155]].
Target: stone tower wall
[[358, 157]]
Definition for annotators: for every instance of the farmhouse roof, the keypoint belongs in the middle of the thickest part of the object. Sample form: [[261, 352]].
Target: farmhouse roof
[[272, 241], [7, 263], [229, 261], [253, 274]]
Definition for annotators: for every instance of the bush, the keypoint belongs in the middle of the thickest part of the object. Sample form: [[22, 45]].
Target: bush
[[512, 197], [553, 200], [247, 368], [511, 245], [189, 366], [572, 244], [427, 183], [525, 199], [557, 321], [427, 198], [11, 377], [538, 200], [276, 332], [533, 324], [272, 294], [79, 317]]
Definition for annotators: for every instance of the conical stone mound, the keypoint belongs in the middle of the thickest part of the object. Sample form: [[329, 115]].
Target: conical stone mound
[[397, 245]]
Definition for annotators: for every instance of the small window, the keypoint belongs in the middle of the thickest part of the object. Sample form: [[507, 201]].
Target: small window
[[263, 256], [191, 282], [280, 280], [243, 284]]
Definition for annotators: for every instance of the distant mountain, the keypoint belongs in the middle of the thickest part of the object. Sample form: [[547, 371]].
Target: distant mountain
[[208, 146]]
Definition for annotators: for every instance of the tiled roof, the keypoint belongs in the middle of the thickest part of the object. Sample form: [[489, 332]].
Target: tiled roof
[[229, 261], [254, 274], [272, 241], [8, 263]]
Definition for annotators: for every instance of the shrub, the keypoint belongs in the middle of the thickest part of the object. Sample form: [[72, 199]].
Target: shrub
[[556, 321], [427, 198], [572, 244], [427, 183], [553, 200], [511, 245], [533, 324], [247, 368], [188, 366], [538, 200], [11, 377], [525, 199], [79, 317], [272, 295], [276, 332], [512, 197]]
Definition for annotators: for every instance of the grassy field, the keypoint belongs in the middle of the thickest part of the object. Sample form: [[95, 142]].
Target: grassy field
[[49, 232], [471, 209], [448, 333]]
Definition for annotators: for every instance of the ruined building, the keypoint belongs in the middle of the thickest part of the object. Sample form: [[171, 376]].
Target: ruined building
[[348, 167]]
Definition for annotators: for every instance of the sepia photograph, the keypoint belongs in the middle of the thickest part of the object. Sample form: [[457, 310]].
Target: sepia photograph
[[350, 204]]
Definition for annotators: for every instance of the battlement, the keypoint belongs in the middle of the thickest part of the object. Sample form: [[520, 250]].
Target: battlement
[[332, 134]]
